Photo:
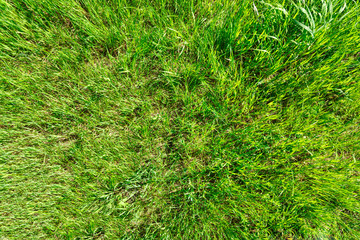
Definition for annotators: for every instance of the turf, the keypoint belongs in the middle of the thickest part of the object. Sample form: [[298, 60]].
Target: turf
[[179, 119]]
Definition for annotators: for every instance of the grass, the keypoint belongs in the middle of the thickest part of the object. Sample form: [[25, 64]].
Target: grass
[[179, 119]]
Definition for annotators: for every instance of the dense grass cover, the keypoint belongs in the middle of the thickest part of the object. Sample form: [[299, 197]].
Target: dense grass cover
[[179, 119]]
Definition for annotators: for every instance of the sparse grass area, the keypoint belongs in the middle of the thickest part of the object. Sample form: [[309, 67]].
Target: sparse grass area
[[179, 119]]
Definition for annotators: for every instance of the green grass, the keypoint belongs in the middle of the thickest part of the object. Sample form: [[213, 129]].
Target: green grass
[[179, 119]]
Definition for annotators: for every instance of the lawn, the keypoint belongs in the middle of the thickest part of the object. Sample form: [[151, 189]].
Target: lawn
[[179, 119]]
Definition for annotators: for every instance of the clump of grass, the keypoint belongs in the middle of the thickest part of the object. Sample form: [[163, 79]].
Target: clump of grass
[[179, 119]]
